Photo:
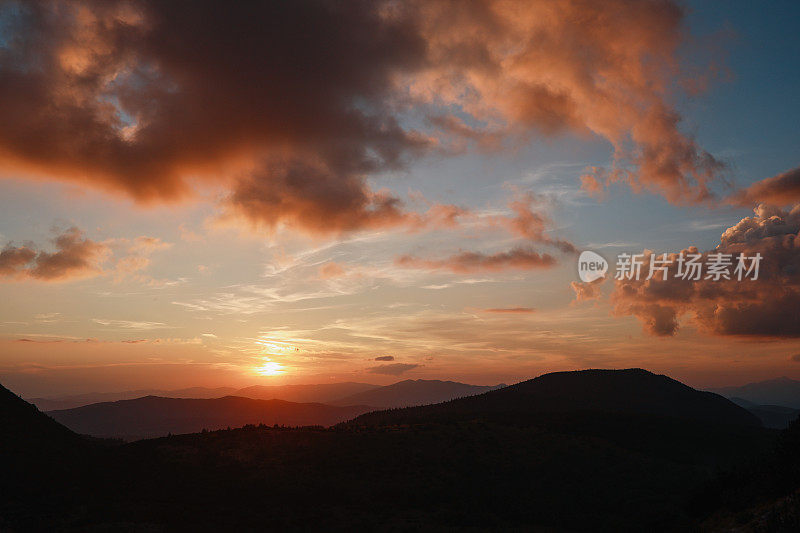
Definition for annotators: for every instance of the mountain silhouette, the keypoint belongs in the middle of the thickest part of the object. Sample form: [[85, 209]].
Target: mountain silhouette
[[317, 393], [781, 391], [23, 427], [633, 391], [78, 400], [772, 416], [413, 392], [586, 451], [153, 416]]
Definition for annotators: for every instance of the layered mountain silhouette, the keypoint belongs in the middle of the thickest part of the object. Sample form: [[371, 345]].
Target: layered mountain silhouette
[[78, 400], [592, 450], [772, 416], [153, 416], [412, 392], [633, 391], [317, 393], [781, 391]]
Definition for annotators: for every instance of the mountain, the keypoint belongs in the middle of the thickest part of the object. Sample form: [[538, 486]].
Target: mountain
[[633, 391], [772, 416], [23, 427], [319, 393], [78, 400], [580, 451], [153, 416], [413, 392], [781, 391]]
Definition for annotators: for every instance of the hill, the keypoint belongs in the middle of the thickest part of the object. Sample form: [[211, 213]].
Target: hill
[[582, 451], [633, 391], [317, 393], [772, 416], [781, 391], [23, 427], [153, 416], [413, 392], [78, 400]]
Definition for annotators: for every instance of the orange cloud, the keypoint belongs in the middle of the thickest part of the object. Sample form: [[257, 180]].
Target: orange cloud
[[472, 262], [291, 115], [510, 310], [331, 270], [585, 291], [780, 190]]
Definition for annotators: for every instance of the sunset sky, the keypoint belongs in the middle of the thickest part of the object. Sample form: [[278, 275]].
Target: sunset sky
[[200, 194]]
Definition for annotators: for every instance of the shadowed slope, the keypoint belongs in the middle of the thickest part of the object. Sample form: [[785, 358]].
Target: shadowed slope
[[633, 391]]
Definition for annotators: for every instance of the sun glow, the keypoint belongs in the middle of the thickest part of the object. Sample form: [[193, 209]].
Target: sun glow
[[270, 368]]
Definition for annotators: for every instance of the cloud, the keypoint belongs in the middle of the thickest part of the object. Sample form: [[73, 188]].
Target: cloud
[[795, 358], [78, 257], [473, 262], [585, 291], [129, 324], [290, 107], [780, 190], [394, 369], [75, 257], [331, 270], [525, 223], [763, 308], [529, 224], [385, 358], [510, 310]]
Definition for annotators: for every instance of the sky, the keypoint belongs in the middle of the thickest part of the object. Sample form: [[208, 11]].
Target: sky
[[200, 194]]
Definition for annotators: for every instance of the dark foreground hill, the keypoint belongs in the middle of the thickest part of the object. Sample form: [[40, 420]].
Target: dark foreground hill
[[413, 392], [632, 391], [572, 468], [153, 416], [23, 426]]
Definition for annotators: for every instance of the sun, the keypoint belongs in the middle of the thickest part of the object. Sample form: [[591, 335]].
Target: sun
[[270, 368]]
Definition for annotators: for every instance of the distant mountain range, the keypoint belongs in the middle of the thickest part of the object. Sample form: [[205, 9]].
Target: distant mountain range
[[401, 394], [597, 450], [781, 391], [319, 393], [153, 416], [772, 416], [78, 400], [412, 392]]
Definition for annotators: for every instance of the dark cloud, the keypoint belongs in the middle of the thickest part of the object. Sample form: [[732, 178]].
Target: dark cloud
[[394, 369], [768, 307], [291, 106], [75, 257], [385, 358]]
